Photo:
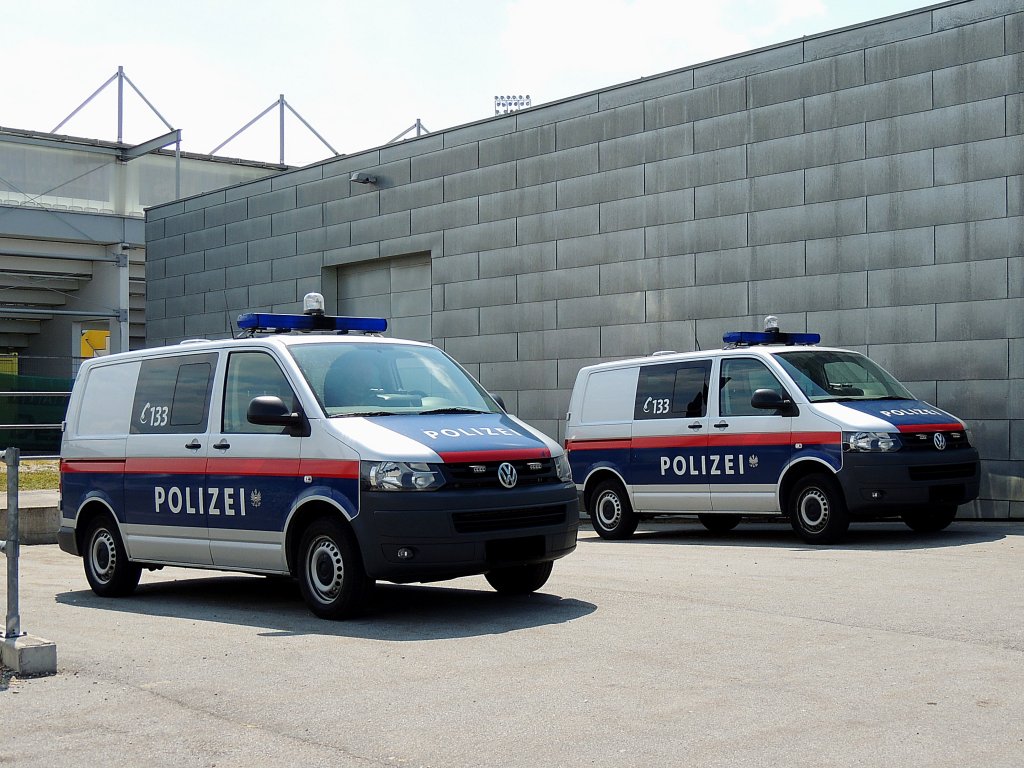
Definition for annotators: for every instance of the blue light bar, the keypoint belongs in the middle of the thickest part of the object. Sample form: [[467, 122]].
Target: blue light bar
[[753, 338], [265, 321]]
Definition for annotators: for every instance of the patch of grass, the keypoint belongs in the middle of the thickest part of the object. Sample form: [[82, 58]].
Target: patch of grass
[[34, 475]]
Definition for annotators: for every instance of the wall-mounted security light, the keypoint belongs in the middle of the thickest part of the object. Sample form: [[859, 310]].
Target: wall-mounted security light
[[362, 178]]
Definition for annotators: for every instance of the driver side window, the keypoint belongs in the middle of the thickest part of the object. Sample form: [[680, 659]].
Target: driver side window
[[740, 378], [252, 374]]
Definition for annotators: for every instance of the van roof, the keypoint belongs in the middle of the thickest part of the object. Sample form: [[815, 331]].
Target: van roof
[[663, 357], [282, 340]]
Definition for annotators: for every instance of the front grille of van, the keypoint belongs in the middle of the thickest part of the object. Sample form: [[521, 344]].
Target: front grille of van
[[925, 441], [942, 472], [509, 519], [484, 474]]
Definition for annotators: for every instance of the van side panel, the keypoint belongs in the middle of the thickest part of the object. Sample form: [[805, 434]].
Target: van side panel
[[93, 444]]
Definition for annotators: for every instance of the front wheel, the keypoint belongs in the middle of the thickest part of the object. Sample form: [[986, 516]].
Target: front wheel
[[331, 576], [719, 523], [519, 579], [817, 510], [107, 568], [930, 520], [610, 511]]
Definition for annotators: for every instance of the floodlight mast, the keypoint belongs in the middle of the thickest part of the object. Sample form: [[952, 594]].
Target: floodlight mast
[[506, 104]]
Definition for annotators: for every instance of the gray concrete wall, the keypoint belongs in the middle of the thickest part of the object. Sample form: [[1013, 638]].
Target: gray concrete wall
[[866, 183]]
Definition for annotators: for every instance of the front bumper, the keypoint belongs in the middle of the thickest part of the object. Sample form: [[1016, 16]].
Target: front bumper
[[886, 484], [461, 533]]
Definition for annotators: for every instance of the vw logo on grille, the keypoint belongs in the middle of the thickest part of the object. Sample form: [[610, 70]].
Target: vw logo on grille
[[940, 441], [507, 475]]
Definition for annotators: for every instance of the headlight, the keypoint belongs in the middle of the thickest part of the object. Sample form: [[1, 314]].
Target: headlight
[[875, 442], [399, 476], [563, 469]]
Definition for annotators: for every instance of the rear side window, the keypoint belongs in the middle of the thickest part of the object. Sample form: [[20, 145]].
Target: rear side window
[[105, 403], [173, 394], [606, 397], [673, 390]]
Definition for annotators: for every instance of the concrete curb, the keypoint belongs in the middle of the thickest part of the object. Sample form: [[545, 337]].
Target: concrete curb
[[29, 655], [38, 516]]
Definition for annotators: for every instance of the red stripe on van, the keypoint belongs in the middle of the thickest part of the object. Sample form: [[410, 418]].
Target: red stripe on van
[[598, 445], [697, 441], [329, 468], [456, 457], [270, 467], [251, 467], [818, 438], [670, 441], [91, 465], [771, 438], [930, 428], [165, 466]]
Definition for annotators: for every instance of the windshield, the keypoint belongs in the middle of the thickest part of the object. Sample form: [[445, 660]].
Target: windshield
[[823, 376], [388, 379]]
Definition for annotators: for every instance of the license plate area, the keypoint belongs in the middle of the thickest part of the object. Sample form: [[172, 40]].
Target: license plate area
[[517, 550]]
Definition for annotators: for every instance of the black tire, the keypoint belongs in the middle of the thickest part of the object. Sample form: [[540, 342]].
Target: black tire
[[719, 523], [930, 519], [817, 510], [610, 511], [330, 570], [519, 579], [107, 568]]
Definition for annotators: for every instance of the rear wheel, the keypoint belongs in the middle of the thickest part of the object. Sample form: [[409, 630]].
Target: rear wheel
[[519, 579], [719, 523], [611, 512], [930, 519], [107, 568], [817, 510], [332, 579]]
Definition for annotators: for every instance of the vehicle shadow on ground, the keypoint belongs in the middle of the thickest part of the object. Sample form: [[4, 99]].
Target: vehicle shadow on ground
[[879, 536], [398, 612]]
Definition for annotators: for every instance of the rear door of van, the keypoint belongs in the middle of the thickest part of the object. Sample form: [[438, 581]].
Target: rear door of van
[[165, 465]]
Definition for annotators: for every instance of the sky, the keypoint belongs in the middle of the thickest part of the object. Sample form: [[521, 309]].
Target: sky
[[361, 72]]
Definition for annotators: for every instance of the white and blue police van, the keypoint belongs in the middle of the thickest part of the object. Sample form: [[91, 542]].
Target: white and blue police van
[[772, 424], [307, 449]]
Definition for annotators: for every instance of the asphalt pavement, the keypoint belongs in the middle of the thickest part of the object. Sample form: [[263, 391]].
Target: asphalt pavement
[[678, 647]]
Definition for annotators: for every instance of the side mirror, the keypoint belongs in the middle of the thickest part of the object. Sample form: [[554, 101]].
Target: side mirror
[[770, 400], [270, 410], [500, 401]]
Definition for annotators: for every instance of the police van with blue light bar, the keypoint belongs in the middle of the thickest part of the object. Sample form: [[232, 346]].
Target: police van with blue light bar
[[771, 425], [311, 447]]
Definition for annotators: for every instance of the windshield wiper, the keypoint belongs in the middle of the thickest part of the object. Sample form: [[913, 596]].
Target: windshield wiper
[[363, 413], [861, 399], [451, 410]]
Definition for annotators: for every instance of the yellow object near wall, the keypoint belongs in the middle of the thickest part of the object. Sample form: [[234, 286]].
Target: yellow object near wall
[[95, 343]]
